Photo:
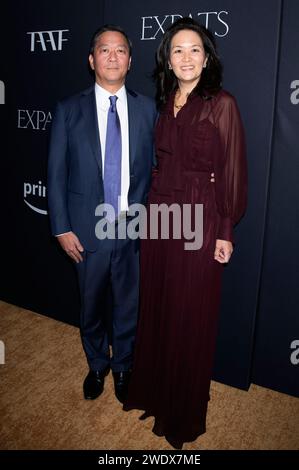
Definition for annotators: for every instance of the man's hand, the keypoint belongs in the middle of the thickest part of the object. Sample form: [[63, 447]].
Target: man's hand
[[223, 251], [70, 243]]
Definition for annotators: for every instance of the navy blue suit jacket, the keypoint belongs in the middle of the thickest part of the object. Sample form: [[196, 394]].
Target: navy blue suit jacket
[[75, 185]]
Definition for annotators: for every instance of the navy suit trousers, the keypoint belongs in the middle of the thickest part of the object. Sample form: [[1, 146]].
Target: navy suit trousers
[[112, 269]]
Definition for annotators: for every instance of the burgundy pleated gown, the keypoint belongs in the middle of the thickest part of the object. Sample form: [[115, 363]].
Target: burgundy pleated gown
[[180, 290]]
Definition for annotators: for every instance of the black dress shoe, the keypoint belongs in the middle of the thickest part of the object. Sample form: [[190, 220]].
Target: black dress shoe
[[93, 384], [121, 383]]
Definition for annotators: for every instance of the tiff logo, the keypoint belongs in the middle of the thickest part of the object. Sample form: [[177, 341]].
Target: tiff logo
[[54, 38], [2, 92], [36, 119], [2, 352], [294, 357]]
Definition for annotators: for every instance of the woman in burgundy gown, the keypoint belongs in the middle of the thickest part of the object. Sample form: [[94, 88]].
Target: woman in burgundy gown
[[199, 132]]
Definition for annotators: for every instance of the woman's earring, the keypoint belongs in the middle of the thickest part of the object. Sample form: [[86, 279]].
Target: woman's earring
[[169, 66]]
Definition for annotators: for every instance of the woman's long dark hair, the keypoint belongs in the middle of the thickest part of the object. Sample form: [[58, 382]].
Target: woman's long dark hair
[[211, 77]]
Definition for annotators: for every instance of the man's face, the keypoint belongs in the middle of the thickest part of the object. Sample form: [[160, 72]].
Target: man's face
[[111, 59]]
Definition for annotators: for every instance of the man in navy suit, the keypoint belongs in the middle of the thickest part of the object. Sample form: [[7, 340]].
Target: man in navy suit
[[76, 186]]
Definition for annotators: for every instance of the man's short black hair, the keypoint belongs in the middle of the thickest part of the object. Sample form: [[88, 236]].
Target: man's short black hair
[[104, 29]]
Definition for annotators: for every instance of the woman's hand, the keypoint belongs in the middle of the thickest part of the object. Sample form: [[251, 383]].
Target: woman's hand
[[223, 251]]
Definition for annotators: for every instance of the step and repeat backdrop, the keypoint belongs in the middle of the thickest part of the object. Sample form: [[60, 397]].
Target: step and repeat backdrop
[[44, 52]]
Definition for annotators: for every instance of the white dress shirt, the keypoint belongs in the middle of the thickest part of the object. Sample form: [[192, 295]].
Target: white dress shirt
[[103, 104]]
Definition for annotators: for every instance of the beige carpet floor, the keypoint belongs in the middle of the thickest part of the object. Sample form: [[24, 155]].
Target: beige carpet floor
[[42, 407]]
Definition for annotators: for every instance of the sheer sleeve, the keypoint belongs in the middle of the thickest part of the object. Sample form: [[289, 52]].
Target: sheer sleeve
[[230, 166]]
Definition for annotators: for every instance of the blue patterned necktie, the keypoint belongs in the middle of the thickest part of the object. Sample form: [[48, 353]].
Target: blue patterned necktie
[[112, 166]]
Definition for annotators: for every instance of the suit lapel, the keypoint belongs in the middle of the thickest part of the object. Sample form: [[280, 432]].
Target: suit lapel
[[134, 125], [89, 111]]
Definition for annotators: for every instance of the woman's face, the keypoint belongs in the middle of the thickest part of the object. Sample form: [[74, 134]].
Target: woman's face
[[187, 57]]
